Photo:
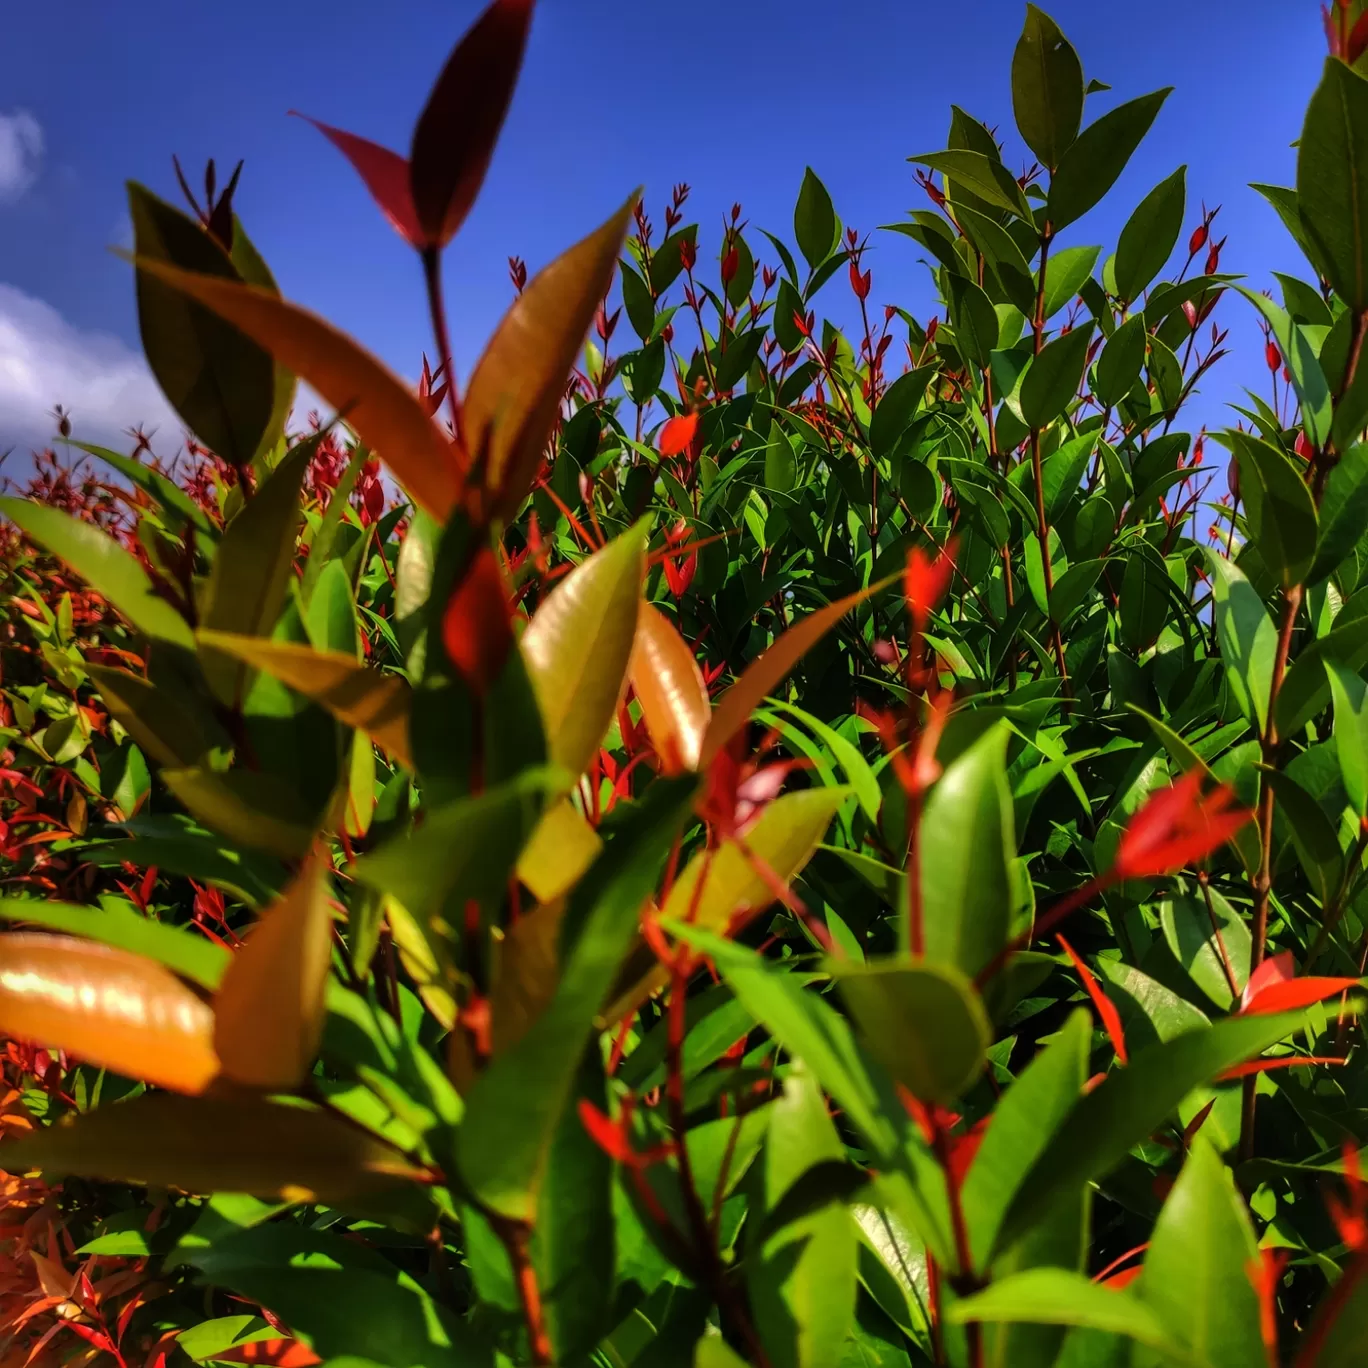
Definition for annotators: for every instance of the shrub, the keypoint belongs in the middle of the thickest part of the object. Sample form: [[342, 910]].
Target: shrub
[[781, 845]]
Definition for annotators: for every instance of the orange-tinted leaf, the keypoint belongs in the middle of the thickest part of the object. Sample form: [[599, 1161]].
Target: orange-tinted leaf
[[106, 1006], [517, 388], [669, 686], [278, 1353], [1290, 994], [477, 630], [457, 131], [768, 669], [578, 644], [385, 173], [678, 433], [385, 413], [377, 704], [268, 1011], [271, 1150]]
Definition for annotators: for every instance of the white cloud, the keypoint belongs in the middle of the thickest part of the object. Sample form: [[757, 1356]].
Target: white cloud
[[103, 383], [21, 150]]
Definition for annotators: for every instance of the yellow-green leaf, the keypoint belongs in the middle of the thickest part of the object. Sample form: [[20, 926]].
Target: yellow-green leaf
[[268, 1149], [577, 646], [670, 689], [106, 1006], [559, 851], [377, 704], [383, 411], [516, 391], [268, 1011]]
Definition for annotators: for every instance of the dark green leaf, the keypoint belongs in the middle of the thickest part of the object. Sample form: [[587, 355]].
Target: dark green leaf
[[1053, 377], [1047, 88], [1149, 236], [815, 224], [1279, 508]]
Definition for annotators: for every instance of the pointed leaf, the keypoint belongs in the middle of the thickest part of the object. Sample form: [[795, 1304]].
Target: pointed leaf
[[814, 221], [1278, 506], [1047, 88], [364, 698], [1097, 157], [268, 1011], [1149, 236], [1052, 379], [578, 645], [455, 135], [109, 1007], [515, 393], [669, 687], [201, 1144], [171, 729], [1248, 639], [385, 173], [559, 851], [384, 412]]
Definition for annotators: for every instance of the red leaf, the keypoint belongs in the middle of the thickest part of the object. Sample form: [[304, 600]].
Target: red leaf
[[385, 173], [279, 1353], [457, 131], [1255, 1066], [1106, 1008], [475, 627], [1176, 827], [1124, 1278], [925, 582], [1289, 995], [1277, 968], [1358, 39], [677, 435]]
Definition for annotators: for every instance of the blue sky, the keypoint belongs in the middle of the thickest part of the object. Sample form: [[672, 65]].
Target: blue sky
[[734, 96]]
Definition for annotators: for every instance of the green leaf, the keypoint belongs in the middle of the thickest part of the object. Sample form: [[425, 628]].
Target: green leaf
[[925, 1023], [163, 490], [1052, 379], [636, 299], [896, 409], [668, 262], [1119, 365], [801, 1277], [1348, 690], [1196, 1277], [219, 382], [172, 728], [1130, 1104], [1248, 639], [99, 560], [975, 321], [514, 1109], [1305, 690], [781, 469], [815, 224], [250, 807], [1343, 512], [1057, 1296], [577, 646], [252, 570], [1065, 275], [1047, 88], [342, 1298], [985, 176], [1097, 157], [1022, 1124], [189, 955], [1316, 842], [1308, 379], [1332, 180], [1149, 236], [1149, 1011], [1287, 205], [204, 1144], [967, 847], [1279, 508], [1197, 936]]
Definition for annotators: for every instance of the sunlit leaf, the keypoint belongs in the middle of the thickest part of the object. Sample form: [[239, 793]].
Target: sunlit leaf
[[669, 687], [107, 1006]]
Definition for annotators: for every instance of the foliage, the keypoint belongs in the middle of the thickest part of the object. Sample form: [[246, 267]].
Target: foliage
[[777, 845]]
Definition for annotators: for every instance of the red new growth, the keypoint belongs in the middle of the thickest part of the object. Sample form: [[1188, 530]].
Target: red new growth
[[1273, 987], [678, 565], [925, 582], [677, 435], [1178, 826], [1106, 1008], [475, 627]]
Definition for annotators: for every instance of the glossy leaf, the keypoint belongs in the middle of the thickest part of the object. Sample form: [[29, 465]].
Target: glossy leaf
[[1343, 512], [1332, 192], [1047, 88], [815, 225], [1299, 356], [268, 1011], [1150, 234], [384, 412], [1097, 157], [1247, 638], [669, 687], [385, 173], [925, 1023], [1053, 377], [967, 847], [1119, 365], [578, 645], [454, 138], [108, 1006], [1212, 944], [984, 176], [1278, 506], [514, 395], [559, 851]]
